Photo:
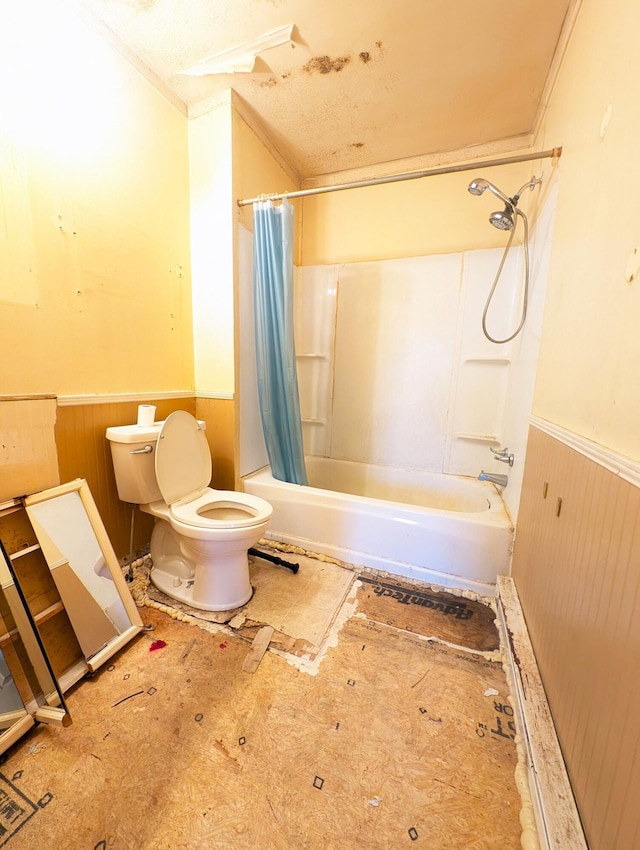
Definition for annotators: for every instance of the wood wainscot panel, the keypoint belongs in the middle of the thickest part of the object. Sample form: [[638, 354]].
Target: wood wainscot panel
[[219, 414], [576, 567]]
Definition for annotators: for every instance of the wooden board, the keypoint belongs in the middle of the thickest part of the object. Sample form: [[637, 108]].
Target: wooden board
[[29, 460], [559, 823], [258, 648]]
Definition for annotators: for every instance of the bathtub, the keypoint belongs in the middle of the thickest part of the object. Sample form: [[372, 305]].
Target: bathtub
[[444, 529]]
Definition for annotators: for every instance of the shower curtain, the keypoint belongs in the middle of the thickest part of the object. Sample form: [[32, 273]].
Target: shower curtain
[[275, 352]]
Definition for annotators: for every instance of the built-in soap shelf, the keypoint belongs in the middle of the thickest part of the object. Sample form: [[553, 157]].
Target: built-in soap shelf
[[313, 421], [312, 356], [478, 438], [484, 358]]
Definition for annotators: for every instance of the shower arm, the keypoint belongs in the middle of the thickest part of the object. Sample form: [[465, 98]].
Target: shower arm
[[530, 184]]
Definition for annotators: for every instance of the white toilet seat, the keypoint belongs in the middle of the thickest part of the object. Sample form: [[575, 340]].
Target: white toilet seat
[[183, 472], [235, 510]]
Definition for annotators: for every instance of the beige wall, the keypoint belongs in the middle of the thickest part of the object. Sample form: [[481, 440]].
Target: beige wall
[[210, 162], [95, 288], [431, 215], [590, 356], [94, 220], [258, 168]]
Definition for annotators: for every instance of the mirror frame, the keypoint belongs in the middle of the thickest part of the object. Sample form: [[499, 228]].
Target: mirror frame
[[80, 486]]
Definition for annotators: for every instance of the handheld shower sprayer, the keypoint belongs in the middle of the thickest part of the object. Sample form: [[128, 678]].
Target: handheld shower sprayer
[[480, 185], [503, 220], [506, 219]]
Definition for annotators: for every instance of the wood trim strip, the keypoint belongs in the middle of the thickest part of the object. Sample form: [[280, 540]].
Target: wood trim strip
[[119, 398], [15, 732], [621, 465], [557, 817]]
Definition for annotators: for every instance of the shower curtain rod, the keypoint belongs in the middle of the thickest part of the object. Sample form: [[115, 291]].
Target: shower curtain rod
[[410, 175]]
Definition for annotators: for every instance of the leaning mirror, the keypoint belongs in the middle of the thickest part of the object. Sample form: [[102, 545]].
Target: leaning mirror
[[85, 569]]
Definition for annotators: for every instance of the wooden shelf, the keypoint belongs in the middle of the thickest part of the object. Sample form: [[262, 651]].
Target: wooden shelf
[[27, 551], [42, 617]]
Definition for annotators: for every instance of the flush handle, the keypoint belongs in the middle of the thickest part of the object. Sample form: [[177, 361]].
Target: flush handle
[[145, 450]]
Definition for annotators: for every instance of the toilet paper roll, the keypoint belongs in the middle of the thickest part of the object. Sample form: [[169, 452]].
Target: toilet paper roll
[[146, 415]]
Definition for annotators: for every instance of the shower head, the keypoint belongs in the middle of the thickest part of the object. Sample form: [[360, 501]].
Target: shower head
[[480, 185], [503, 220]]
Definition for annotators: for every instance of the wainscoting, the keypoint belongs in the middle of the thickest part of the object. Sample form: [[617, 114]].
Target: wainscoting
[[576, 568], [83, 452], [220, 416]]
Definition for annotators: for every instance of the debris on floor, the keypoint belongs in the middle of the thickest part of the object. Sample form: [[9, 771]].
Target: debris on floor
[[404, 735]]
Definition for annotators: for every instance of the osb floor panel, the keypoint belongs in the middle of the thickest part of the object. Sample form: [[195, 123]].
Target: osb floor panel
[[395, 742]]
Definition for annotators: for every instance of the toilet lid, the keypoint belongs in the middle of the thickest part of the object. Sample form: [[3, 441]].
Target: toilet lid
[[183, 459]]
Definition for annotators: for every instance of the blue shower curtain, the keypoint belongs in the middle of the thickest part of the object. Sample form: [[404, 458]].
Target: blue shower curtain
[[275, 352]]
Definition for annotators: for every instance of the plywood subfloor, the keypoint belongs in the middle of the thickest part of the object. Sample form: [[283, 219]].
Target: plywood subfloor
[[300, 606], [396, 741]]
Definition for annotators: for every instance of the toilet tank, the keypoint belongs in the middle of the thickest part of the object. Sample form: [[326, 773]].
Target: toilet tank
[[133, 449]]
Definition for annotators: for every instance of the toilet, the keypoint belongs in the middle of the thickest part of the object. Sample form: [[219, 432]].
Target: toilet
[[201, 536]]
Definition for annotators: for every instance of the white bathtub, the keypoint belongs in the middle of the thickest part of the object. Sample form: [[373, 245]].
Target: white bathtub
[[444, 529]]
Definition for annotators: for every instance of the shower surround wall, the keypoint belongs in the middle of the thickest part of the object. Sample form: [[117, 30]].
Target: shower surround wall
[[394, 369]]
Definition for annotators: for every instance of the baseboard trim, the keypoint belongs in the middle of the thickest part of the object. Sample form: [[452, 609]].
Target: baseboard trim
[[554, 806]]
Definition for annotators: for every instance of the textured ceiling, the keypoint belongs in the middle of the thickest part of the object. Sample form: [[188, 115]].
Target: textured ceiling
[[362, 82]]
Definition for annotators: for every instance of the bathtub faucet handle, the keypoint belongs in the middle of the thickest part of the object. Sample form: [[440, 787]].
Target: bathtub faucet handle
[[502, 455]]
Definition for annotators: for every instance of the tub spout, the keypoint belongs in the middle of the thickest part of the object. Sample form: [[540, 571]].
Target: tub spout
[[500, 480]]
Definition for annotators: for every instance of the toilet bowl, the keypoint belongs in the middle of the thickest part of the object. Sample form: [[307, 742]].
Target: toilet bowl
[[201, 536]]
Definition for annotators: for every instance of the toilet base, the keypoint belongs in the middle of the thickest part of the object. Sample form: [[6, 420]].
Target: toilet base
[[182, 590], [210, 578]]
